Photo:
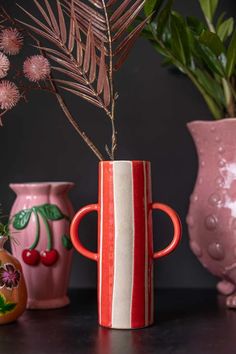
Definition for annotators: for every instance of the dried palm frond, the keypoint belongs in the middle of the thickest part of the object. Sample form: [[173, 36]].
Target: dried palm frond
[[90, 41]]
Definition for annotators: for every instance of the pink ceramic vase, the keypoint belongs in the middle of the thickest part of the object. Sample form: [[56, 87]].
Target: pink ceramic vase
[[40, 219], [212, 213]]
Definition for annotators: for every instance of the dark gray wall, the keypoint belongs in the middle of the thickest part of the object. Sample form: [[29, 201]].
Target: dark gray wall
[[38, 144]]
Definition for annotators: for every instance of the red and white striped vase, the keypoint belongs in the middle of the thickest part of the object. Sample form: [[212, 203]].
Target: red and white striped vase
[[125, 243]]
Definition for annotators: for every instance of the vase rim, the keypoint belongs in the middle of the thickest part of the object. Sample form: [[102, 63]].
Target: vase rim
[[39, 184], [205, 122], [41, 187], [118, 161]]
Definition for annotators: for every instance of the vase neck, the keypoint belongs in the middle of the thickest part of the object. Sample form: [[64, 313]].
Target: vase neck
[[3, 240]]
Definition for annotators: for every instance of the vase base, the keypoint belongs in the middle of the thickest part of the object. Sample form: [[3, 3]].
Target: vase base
[[231, 302], [33, 304], [127, 328], [225, 287]]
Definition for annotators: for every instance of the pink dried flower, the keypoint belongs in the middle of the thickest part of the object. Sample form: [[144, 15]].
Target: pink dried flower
[[4, 65], [9, 95], [11, 41], [36, 68]]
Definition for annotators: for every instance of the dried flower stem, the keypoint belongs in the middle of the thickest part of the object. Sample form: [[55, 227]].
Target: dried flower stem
[[67, 113], [112, 115]]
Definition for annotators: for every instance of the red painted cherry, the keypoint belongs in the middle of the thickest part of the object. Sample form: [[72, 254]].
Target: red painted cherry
[[31, 257], [49, 258]]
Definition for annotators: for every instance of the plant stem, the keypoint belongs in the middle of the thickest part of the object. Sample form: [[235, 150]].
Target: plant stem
[[36, 241], [230, 105]]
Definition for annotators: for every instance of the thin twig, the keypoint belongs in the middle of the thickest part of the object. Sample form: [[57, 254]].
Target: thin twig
[[112, 116]]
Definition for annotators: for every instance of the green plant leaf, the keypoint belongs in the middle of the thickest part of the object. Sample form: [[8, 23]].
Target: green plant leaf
[[195, 25], [225, 29], [212, 41], [231, 56], [211, 86], [163, 18], [179, 38], [209, 58], [51, 211], [220, 19], [209, 8], [66, 242], [21, 219], [152, 6]]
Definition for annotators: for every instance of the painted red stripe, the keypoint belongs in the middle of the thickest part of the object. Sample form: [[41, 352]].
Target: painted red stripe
[[99, 240], [138, 296], [107, 271], [150, 242]]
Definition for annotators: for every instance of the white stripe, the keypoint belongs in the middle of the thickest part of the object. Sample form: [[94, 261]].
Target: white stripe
[[123, 245], [146, 247], [101, 239]]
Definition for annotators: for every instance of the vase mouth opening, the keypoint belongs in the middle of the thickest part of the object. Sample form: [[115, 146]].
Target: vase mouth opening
[[124, 161]]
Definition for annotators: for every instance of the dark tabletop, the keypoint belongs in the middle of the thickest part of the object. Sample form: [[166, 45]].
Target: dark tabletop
[[187, 322]]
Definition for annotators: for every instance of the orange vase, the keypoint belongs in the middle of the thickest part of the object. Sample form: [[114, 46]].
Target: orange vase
[[13, 293]]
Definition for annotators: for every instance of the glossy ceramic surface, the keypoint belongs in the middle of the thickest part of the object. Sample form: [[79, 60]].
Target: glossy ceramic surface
[[125, 243], [13, 293], [212, 214], [41, 216]]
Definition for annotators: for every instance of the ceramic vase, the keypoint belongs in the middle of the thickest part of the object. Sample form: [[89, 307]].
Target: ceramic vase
[[212, 213], [125, 243], [40, 218], [13, 293]]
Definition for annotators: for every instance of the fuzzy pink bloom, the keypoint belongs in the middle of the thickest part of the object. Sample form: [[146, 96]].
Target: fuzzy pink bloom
[[11, 41], [36, 68], [9, 95], [4, 65]]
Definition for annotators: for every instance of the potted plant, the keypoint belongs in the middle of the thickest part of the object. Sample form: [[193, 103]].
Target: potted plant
[[205, 51], [13, 293], [86, 43]]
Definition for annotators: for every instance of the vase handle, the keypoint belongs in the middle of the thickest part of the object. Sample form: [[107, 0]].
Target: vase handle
[[74, 228], [177, 230]]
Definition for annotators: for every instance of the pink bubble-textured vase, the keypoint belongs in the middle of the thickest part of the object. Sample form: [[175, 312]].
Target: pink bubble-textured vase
[[40, 220], [212, 214]]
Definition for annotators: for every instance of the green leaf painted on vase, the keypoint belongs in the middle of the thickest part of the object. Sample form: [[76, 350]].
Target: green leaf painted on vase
[[66, 242], [6, 307], [51, 212], [21, 219]]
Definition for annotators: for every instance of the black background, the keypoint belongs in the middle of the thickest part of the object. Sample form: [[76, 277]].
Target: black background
[[38, 144]]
